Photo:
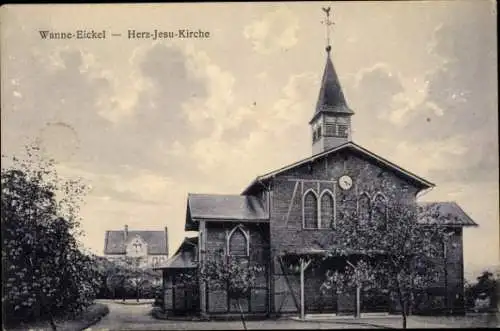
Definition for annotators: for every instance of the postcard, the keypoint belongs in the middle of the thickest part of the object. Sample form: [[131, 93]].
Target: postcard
[[250, 165]]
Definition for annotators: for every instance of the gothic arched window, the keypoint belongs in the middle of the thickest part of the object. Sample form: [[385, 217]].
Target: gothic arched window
[[327, 210], [363, 208], [379, 210], [238, 242], [310, 210]]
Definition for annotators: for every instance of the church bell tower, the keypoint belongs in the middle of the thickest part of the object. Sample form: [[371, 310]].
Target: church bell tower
[[331, 122]]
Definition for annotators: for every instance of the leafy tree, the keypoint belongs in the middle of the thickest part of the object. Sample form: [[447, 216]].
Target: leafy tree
[[394, 251], [486, 286], [237, 277], [127, 276], [138, 279], [469, 294], [45, 272]]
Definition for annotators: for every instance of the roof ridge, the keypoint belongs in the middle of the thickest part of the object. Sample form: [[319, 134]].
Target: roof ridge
[[440, 201], [335, 149], [218, 194], [136, 231]]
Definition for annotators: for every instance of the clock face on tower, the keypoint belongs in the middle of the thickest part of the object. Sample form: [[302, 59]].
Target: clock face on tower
[[345, 182]]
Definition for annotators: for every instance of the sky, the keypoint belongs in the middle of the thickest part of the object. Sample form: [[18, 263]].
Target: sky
[[145, 122]]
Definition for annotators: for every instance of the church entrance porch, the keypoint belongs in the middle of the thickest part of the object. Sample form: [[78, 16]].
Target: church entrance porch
[[316, 295]]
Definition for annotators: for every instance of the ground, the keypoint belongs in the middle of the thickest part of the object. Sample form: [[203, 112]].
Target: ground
[[79, 322], [138, 317]]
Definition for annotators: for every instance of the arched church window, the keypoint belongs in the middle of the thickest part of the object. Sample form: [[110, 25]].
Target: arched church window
[[363, 208], [327, 210], [310, 210], [238, 242], [379, 210]]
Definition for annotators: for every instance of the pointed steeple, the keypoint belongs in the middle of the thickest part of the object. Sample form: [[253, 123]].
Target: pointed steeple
[[331, 98], [331, 122]]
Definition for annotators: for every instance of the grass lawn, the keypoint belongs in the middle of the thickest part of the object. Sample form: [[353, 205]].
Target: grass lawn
[[83, 320]]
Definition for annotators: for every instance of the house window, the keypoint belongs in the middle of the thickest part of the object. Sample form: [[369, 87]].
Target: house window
[[155, 261], [363, 208], [379, 210], [238, 242], [327, 210], [195, 254], [310, 210]]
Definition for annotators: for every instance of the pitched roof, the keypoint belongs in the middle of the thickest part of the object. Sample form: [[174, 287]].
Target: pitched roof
[[331, 98], [115, 242], [180, 260], [346, 146], [226, 207], [444, 213]]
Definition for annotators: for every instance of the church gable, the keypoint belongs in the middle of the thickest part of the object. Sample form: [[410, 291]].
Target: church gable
[[137, 246], [349, 156], [365, 173], [311, 199]]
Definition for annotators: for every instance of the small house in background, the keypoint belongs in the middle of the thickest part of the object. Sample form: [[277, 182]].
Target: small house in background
[[150, 248]]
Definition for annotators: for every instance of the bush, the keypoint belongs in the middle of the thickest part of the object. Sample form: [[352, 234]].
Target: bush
[[45, 273]]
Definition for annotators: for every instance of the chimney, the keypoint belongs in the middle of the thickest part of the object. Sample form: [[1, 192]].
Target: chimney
[[166, 240], [125, 232]]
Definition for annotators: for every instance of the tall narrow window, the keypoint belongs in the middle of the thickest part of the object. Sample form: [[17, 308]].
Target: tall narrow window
[[379, 210], [363, 209], [310, 210], [238, 244], [327, 211]]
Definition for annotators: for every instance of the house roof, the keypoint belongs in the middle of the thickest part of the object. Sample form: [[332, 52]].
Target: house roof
[[444, 213], [331, 97], [346, 146], [226, 207], [181, 260], [115, 242]]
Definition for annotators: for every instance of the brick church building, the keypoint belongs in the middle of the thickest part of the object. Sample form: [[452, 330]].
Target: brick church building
[[283, 214]]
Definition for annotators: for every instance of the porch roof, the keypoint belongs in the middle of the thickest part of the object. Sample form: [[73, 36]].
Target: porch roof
[[302, 252], [179, 261], [183, 257], [446, 213]]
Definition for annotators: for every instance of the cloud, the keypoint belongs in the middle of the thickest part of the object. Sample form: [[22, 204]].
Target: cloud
[[275, 31], [148, 122], [278, 131]]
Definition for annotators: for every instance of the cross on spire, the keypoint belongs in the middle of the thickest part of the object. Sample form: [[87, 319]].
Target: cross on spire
[[327, 23]]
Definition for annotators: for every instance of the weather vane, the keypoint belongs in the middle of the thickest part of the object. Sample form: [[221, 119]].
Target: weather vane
[[327, 22]]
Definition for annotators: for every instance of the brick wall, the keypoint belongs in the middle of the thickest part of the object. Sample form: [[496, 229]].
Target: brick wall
[[286, 228], [216, 244], [447, 292], [286, 223]]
